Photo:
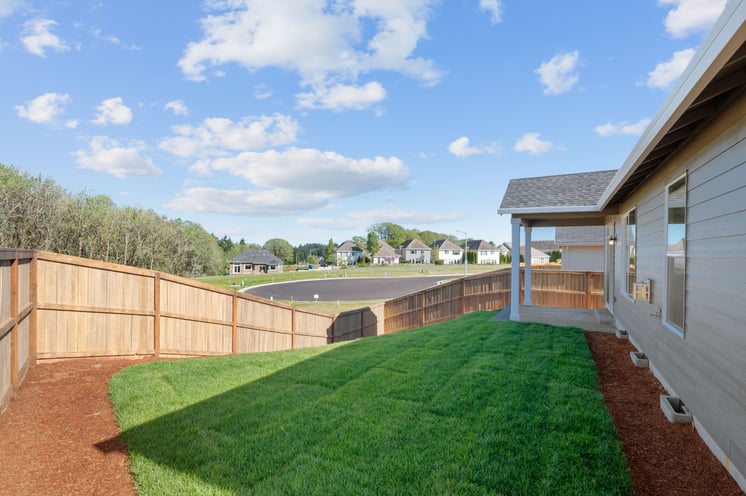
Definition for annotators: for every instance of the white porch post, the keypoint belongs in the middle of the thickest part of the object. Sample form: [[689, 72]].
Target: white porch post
[[515, 271], [527, 266]]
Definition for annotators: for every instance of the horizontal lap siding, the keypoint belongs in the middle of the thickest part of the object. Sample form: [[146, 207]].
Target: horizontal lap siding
[[707, 367]]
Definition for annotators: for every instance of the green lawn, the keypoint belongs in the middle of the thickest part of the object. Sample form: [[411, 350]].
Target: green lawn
[[469, 406]]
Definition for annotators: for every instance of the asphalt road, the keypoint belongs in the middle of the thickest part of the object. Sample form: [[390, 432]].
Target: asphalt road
[[352, 289]]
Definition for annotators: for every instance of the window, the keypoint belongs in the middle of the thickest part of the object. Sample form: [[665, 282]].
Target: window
[[247, 267], [236, 268], [631, 249], [676, 254]]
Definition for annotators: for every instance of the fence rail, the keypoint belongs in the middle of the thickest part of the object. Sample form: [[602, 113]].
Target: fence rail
[[57, 306]]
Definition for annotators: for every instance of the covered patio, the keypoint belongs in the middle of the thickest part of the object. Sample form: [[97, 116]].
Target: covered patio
[[597, 319]]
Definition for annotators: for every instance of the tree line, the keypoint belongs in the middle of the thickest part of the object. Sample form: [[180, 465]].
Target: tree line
[[36, 213]]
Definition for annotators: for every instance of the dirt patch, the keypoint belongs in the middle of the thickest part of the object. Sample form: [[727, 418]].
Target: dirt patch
[[58, 434]]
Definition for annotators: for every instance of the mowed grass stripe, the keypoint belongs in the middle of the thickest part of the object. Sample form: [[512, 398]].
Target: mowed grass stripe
[[468, 406]]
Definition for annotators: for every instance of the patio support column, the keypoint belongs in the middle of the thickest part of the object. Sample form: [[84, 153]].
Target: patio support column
[[515, 271], [527, 266]]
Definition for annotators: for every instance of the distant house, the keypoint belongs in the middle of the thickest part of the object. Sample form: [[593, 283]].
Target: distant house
[[582, 247], [348, 253], [255, 262], [545, 245], [674, 215], [487, 253], [538, 257], [448, 252], [415, 251], [385, 255]]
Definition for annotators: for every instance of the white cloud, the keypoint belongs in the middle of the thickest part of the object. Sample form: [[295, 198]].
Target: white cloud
[[361, 219], [71, 124], [342, 97], [666, 73], [461, 148], [262, 92], [218, 136], [108, 155], [622, 128], [533, 144], [177, 107], [558, 75], [113, 111], [266, 203], [326, 43], [7, 7], [691, 16], [307, 169], [494, 8], [292, 181], [38, 37], [44, 108]]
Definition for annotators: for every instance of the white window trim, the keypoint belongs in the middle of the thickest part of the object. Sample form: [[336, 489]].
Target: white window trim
[[664, 316], [625, 244]]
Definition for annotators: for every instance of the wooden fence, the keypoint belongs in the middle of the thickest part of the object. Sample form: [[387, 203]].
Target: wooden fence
[[56, 306]]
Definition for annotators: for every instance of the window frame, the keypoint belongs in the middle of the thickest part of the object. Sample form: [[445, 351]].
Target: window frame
[[675, 254], [627, 290]]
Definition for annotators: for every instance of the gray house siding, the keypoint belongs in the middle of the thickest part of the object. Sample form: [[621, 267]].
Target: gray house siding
[[706, 366]]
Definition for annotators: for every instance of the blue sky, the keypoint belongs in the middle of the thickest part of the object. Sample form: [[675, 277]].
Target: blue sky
[[309, 119]]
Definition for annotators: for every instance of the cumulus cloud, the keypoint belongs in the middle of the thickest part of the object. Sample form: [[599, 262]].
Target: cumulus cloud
[[265, 203], [113, 111], [341, 97], [293, 181], [217, 136], [533, 144], [177, 107], [461, 148], [361, 219], [666, 73], [38, 37], [557, 75], [44, 108], [325, 44], [691, 16], [622, 128], [308, 169], [493, 8], [110, 156]]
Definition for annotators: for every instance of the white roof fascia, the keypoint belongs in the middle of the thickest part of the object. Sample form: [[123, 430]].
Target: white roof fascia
[[550, 210], [719, 46]]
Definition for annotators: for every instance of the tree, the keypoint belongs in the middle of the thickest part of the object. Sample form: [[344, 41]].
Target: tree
[[281, 249], [555, 255], [372, 244], [393, 234], [330, 253]]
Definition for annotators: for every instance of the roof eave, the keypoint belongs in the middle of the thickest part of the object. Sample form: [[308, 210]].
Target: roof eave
[[719, 46]]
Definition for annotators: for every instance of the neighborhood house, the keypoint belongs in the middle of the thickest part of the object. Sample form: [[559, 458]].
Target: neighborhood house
[[674, 221], [255, 262], [448, 252]]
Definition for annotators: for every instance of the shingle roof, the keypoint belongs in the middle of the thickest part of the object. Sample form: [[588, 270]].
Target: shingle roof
[[259, 257], [480, 244], [414, 244], [534, 252], [582, 189], [348, 246], [385, 250], [591, 235], [446, 244]]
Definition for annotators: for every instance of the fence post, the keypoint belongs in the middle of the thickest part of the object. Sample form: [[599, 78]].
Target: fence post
[[33, 287], [292, 329], [14, 316], [362, 323], [463, 296], [234, 324], [422, 309], [588, 290], [157, 314]]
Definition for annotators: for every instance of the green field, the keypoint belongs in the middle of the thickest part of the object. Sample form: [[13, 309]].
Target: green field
[[469, 406], [400, 270]]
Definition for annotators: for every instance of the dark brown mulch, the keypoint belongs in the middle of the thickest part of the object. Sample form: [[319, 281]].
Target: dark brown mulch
[[58, 435]]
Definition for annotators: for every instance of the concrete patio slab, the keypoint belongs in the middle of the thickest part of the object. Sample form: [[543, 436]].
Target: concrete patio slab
[[597, 319]]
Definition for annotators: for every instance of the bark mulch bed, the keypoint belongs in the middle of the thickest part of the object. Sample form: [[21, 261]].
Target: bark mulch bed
[[58, 434]]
